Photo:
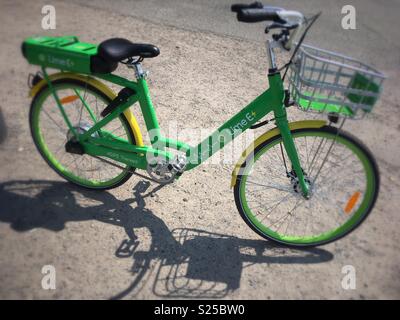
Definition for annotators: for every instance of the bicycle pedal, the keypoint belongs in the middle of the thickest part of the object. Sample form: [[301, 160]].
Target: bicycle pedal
[[178, 165], [126, 248], [164, 172]]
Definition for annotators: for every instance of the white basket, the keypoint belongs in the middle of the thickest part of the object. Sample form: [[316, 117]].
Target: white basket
[[324, 81]]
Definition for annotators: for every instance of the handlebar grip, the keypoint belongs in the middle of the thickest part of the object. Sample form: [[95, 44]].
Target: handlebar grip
[[258, 15], [237, 7]]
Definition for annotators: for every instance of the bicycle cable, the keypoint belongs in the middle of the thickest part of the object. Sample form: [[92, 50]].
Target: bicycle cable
[[309, 22]]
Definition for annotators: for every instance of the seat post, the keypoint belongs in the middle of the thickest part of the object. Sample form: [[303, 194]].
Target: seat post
[[139, 72]]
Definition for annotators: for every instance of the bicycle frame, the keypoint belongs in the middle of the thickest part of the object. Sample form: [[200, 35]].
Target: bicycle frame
[[107, 145]]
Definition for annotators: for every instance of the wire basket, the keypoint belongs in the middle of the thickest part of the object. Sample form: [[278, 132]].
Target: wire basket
[[324, 81]]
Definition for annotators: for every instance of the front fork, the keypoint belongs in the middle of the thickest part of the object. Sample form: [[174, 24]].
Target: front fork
[[283, 126]]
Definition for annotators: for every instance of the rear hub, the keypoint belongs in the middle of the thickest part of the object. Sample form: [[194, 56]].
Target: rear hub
[[73, 145]]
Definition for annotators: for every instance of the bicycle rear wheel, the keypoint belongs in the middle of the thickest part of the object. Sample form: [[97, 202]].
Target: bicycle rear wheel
[[342, 175], [50, 133]]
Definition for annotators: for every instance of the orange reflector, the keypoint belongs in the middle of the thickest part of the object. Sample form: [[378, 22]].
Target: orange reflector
[[352, 202], [68, 99]]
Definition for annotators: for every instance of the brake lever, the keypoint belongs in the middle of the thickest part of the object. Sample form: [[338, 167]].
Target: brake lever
[[277, 25]]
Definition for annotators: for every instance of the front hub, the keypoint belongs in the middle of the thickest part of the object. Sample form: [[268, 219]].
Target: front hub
[[294, 181]]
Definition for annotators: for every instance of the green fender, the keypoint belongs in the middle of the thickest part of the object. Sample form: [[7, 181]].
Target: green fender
[[268, 135]]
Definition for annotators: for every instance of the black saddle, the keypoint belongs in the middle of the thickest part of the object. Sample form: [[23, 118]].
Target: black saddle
[[114, 50]]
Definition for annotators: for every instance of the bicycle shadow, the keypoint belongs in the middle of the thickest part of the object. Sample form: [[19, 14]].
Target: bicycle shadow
[[189, 263], [211, 264]]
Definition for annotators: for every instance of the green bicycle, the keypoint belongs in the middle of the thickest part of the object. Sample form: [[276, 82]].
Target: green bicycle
[[303, 183]]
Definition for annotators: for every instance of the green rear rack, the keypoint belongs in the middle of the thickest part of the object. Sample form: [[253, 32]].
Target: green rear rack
[[64, 53]]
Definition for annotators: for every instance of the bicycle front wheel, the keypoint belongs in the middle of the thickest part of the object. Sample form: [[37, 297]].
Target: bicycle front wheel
[[342, 176]]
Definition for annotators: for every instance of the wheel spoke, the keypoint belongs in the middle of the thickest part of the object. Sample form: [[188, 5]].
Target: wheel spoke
[[272, 199], [53, 132], [269, 186]]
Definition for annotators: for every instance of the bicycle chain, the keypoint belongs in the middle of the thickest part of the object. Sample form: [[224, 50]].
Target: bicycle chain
[[130, 171]]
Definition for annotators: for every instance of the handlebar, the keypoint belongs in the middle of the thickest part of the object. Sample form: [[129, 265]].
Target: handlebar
[[238, 7], [257, 12], [286, 20], [258, 15]]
